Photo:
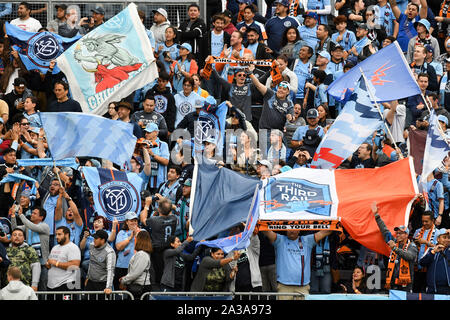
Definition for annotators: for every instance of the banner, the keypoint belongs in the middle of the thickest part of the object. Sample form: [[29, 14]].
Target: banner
[[403, 295], [115, 192], [76, 134], [329, 196], [416, 147], [220, 199], [242, 240], [210, 126], [388, 72], [37, 49], [110, 62], [356, 122]]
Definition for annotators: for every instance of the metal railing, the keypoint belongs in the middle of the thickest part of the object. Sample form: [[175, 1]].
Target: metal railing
[[235, 296], [84, 295], [45, 11]]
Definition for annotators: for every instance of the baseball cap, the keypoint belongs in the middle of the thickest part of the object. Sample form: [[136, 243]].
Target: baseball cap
[[265, 163], [130, 215], [363, 26], [25, 193], [95, 163], [325, 54], [311, 14], [443, 118], [99, 10], [34, 129], [151, 126], [210, 102], [188, 182], [245, 1], [102, 234], [19, 82], [429, 48], [402, 228], [447, 60], [440, 232], [68, 171], [162, 12], [283, 2], [312, 114], [62, 6], [423, 22], [227, 13], [336, 46], [185, 45]]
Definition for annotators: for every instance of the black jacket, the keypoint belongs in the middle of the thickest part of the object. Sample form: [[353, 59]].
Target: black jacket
[[165, 105], [194, 36]]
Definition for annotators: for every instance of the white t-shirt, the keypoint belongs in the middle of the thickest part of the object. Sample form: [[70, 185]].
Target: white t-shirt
[[398, 123], [57, 276], [30, 24]]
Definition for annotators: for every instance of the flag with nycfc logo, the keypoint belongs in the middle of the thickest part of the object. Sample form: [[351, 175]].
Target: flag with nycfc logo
[[75, 134], [357, 121], [37, 49], [115, 192]]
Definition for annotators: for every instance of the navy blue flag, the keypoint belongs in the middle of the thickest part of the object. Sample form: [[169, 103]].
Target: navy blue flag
[[37, 49], [221, 198], [115, 192], [241, 240]]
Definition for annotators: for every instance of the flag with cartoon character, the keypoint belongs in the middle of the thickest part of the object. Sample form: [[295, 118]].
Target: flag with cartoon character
[[110, 62]]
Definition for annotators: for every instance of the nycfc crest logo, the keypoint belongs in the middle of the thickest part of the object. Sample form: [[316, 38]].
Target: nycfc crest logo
[[117, 198], [44, 46], [205, 129]]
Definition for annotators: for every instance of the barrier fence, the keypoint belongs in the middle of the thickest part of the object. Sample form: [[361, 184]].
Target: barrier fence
[[84, 295]]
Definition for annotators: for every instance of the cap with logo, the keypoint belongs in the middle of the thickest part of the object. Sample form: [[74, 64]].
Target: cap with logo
[[402, 228], [311, 15], [131, 215], [312, 114], [186, 46], [151, 126]]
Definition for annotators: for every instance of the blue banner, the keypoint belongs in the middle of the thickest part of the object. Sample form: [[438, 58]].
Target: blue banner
[[242, 240], [75, 134], [36, 50], [221, 198], [115, 192], [388, 72]]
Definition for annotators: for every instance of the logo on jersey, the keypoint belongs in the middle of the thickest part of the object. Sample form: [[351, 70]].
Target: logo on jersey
[[160, 104], [185, 108], [117, 198]]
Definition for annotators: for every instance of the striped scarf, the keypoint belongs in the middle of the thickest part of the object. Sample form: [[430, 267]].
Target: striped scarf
[[404, 274], [445, 12]]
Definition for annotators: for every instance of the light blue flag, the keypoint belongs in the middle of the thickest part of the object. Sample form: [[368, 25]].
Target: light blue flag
[[436, 148], [356, 122], [37, 49], [44, 162], [242, 240], [115, 192], [110, 62], [388, 72], [75, 134]]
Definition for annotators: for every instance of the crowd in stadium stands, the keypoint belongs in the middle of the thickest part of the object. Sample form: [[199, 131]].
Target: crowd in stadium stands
[[54, 240]]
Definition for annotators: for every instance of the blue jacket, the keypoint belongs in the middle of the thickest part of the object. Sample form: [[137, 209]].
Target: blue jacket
[[438, 269]]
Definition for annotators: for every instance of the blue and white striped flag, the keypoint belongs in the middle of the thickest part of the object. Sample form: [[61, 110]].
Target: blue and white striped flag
[[74, 134], [357, 121], [436, 148], [110, 62]]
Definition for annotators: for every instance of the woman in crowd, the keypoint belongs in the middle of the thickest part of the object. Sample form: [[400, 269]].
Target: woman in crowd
[[184, 66], [137, 280], [214, 273]]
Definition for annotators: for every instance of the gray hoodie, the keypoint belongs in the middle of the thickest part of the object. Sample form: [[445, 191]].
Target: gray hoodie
[[159, 31], [16, 290]]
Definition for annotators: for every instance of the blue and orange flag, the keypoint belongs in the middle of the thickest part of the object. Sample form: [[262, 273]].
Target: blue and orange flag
[[387, 71]]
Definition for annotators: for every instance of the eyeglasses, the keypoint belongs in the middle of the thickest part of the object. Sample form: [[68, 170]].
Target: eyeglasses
[[241, 75], [25, 124]]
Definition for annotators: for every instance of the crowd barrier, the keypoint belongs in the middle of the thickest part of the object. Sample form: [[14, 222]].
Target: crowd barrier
[[84, 295]]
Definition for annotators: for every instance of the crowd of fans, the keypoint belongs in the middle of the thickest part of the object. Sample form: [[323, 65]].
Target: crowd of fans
[[53, 238]]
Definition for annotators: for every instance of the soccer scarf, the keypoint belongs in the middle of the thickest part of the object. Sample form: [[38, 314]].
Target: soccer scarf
[[404, 275], [430, 235], [360, 44], [445, 12], [274, 72]]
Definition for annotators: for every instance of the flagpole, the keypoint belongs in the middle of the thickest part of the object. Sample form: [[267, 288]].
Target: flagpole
[[379, 110]]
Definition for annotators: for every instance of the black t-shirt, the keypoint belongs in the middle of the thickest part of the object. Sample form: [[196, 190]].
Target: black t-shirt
[[69, 105], [357, 163], [160, 228], [243, 277]]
